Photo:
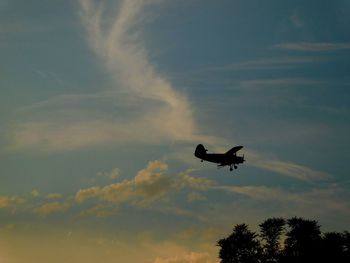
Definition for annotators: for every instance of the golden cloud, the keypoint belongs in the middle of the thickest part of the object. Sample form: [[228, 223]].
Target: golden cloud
[[54, 196], [192, 257], [149, 184], [51, 208], [86, 193], [98, 211], [6, 201]]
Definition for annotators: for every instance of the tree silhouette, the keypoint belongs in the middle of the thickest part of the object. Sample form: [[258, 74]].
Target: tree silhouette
[[303, 243], [331, 248], [241, 246], [303, 239], [271, 230], [346, 245]]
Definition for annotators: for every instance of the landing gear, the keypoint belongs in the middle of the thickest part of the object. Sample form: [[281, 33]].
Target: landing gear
[[234, 166], [201, 161]]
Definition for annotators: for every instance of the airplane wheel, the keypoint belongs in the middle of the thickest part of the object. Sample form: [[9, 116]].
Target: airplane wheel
[[231, 169], [201, 160], [235, 167]]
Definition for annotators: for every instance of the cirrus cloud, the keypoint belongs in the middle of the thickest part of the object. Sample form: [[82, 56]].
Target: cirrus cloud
[[150, 108], [313, 46]]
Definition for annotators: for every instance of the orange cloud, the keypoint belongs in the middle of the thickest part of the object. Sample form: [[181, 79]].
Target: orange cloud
[[6, 201], [149, 184], [192, 257], [51, 208]]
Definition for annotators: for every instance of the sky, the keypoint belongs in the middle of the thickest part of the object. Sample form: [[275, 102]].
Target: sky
[[102, 104]]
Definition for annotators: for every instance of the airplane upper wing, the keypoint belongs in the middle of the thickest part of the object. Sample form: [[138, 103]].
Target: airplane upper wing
[[234, 150]]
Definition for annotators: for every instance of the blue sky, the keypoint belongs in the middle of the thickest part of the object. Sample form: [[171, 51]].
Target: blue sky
[[103, 102]]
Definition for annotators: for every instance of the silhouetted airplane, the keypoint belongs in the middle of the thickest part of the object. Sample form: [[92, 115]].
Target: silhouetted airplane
[[229, 158]]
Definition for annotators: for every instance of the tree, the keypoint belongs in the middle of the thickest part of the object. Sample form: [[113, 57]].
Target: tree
[[241, 246], [346, 245], [303, 240], [332, 247], [271, 230], [303, 243]]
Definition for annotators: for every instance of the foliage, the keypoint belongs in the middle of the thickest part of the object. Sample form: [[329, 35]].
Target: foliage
[[241, 246], [284, 241], [271, 230]]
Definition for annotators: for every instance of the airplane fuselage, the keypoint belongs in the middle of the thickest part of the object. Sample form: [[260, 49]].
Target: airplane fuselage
[[222, 159]]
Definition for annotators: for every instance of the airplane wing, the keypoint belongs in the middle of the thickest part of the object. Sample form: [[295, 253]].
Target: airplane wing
[[234, 150]]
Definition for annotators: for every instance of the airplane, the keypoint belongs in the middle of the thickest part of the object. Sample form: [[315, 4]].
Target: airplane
[[229, 158]]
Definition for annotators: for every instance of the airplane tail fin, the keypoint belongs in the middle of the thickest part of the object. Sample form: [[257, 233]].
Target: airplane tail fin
[[200, 151]]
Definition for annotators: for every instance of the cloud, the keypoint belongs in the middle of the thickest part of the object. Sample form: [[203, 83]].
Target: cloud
[[297, 20], [51, 208], [263, 64], [54, 196], [150, 109], [256, 192], [6, 201], [149, 184], [296, 201], [152, 181], [99, 210], [192, 257], [84, 194], [313, 46], [279, 82], [290, 169], [120, 48], [34, 193], [93, 244], [113, 174], [195, 196]]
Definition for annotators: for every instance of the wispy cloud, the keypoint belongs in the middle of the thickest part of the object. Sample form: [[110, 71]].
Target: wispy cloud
[[290, 169], [327, 198], [266, 63], [279, 82], [266, 162], [120, 47], [271, 63], [296, 19], [158, 111], [313, 46]]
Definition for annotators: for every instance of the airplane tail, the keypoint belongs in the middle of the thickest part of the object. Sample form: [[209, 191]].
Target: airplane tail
[[200, 151]]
